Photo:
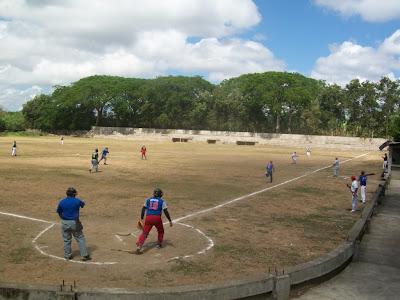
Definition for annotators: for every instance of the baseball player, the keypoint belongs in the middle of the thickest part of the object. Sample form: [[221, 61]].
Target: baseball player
[[104, 155], [308, 152], [294, 157], [68, 210], [335, 166], [14, 149], [154, 206], [270, 170], [385, 162], [363, 184], [62, 140], [143, 150], [354, 193], [95, 160]]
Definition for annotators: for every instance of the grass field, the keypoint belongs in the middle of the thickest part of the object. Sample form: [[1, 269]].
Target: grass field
[[231, 221]]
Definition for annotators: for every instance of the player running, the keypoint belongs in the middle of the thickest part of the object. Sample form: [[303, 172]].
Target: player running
[[104, 155]]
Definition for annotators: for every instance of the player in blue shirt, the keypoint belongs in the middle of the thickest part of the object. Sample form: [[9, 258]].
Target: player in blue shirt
[[68, 210], [104, 155], [270, 170], [363, 184], [154, 206]]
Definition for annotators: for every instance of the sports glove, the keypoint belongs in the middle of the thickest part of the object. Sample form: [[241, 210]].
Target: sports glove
[[139, 224]]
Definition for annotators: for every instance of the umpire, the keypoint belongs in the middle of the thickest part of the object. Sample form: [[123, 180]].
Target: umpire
[[68, 210]]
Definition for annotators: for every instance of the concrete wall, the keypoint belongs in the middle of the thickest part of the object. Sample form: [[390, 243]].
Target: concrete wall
[[228, 137]]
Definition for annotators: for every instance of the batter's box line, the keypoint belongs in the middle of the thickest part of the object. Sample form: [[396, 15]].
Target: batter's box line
[[210, 242]]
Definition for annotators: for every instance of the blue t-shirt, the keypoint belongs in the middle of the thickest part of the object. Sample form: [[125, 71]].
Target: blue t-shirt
[[363, 180], [269, 167], [69, 208], [155, 206], [105, 151]]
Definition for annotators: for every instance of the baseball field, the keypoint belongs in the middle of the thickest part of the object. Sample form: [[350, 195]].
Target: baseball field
[[229, 221]]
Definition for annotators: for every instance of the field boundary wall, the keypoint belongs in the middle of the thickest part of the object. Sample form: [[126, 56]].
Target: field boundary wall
[[239, 138]]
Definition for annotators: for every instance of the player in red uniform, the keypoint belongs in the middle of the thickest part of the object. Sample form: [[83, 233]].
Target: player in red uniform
[[154, 206], [143, 150]]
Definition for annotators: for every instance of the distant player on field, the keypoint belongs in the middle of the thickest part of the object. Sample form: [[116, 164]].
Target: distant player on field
[[308, 152], [270, 170], [104, 155], [143, 150], [335, 166], [95, 160], [14, 149], [294, 157]]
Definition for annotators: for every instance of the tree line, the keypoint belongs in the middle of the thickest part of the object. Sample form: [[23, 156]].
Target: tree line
[[274, 102]]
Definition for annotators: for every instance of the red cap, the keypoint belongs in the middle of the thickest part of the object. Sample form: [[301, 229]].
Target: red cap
[[270, 161], [353, 177]]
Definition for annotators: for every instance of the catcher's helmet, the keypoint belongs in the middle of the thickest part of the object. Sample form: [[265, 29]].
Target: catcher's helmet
[[158, 193], [71, 192]]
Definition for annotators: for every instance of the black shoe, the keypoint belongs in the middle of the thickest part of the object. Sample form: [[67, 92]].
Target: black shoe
[[85, 258], [69, 258], [159, 246]]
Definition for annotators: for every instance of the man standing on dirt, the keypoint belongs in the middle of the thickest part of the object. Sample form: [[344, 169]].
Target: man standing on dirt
[[385, 162], [335, 166], [14, 149], [154, 206], [68, 210], [294, 157], [354, 193], [95, 160], [270, 170], [143, 150]]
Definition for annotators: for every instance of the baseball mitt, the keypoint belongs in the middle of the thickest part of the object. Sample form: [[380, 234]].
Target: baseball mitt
[[139, 224]]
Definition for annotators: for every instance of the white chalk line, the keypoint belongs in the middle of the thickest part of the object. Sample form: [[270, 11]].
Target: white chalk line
[[40, 249]]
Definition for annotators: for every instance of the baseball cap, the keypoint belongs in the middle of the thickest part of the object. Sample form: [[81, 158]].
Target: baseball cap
[[353, 177], [270, 161]]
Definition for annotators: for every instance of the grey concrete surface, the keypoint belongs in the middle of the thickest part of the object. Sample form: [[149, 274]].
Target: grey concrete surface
[[377, 273]]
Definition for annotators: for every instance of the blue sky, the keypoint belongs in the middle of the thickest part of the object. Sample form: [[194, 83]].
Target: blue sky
[[45, 43]]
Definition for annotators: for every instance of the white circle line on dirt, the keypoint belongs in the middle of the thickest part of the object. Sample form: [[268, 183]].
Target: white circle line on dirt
[[210, 242], [42, 232]]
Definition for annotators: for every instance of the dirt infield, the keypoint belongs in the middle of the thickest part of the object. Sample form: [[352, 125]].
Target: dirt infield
[[229, 222]]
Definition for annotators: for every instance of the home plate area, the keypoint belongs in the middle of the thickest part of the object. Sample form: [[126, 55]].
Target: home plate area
[[108, 242]]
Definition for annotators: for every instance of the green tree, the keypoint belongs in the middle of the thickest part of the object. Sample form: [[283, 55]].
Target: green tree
[[389, 99]]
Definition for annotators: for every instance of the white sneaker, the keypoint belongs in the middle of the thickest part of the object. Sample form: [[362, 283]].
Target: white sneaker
[[352, 210]]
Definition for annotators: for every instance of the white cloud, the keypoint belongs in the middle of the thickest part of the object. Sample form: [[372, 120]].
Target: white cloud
[[369, 10], [47, 43], [12, 99], [349, 61]]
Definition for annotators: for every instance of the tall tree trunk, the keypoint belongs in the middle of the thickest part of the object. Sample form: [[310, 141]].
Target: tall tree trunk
[[278, 124]]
